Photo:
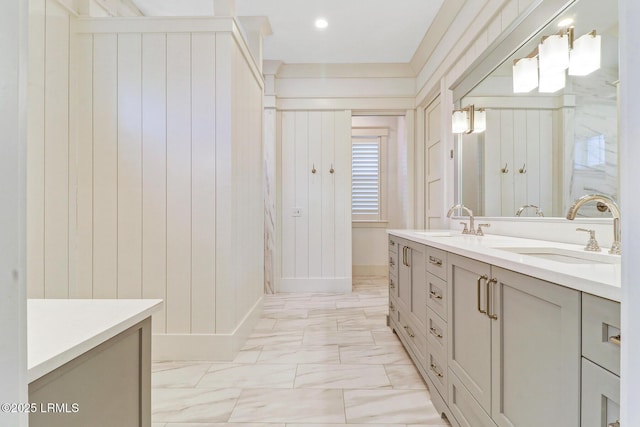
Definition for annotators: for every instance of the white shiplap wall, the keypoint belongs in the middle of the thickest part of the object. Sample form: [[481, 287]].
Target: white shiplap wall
[[153, 188], [316, 246]]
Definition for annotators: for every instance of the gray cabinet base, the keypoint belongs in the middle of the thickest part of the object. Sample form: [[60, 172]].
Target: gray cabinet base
[[108, 386]]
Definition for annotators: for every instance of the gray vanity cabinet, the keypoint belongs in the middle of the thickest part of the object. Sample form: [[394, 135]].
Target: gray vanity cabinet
[[514, 348]]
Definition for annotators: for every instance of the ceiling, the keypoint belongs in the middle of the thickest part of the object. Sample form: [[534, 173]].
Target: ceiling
[[360, 31]]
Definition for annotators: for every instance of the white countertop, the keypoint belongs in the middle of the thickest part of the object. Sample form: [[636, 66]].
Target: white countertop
[[58, 331], [598, 279]]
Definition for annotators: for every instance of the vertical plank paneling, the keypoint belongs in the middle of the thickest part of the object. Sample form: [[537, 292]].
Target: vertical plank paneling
[[288, 185], [342, 176], [225, 220], [84, 154], [36, 151], [520, 138], [56, 152], [203, 233], [532, 177], [328, 196], [546, 164], [492, 165], [315, 194], [154, 173], [129, 166], [303, 170], [105, 166], [178, 183], [506, 157]]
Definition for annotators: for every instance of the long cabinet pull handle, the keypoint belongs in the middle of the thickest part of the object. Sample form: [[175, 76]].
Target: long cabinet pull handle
[[435, 295], [408, 256], [435, 371], [404, 255], [480, 279], [435, 333], [490, 284], [615, 340], [435, 261]]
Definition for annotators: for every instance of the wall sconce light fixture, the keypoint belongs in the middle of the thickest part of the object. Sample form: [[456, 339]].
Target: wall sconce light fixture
[[469, 120], [546, 66]]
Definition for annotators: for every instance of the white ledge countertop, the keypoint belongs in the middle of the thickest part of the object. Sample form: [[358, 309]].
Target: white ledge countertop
[[59, 330], [600, 279]]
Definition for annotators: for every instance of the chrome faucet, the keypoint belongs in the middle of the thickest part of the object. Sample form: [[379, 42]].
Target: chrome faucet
[[523, 207], [471, 229], [616, 247]]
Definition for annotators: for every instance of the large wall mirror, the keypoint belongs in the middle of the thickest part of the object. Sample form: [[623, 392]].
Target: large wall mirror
[[541, 149]]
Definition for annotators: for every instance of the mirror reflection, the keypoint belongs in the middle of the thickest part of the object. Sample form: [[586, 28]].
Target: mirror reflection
[[544, 148]]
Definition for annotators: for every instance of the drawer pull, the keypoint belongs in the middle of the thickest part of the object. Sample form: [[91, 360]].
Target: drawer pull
[[435, 295], [392, 243], [435, 261], [392, 307], [409, 331], [615, 340], [391, 262], [391, 284], [435, 371], [435, 333]]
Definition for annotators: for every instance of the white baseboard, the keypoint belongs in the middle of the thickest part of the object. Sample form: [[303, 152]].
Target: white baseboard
[[319, 285], [370, 270], [214, 347]]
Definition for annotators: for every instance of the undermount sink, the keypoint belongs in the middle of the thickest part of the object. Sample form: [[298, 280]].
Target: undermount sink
[[565, 256]]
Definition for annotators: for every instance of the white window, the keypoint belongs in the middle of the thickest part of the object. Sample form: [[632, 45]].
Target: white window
[[368, 180]]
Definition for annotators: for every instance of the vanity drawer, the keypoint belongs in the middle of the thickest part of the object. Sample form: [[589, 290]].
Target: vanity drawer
[[436, 333], [393, 285], [437, 295], [601, 332], [600, 396], [437, 371], [393, 245], [393, 264], [437, 262], [416, 340]]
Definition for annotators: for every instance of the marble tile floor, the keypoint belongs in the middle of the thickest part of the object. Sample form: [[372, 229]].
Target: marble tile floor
[[313, 360]]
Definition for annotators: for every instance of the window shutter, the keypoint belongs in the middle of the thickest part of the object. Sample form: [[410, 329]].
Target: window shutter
[[365, 186]]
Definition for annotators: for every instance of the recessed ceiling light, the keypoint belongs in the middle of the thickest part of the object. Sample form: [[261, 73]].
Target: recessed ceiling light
[[565, 22], [321, 23]]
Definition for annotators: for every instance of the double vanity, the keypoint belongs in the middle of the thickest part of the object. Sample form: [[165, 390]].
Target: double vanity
[[509, 331]]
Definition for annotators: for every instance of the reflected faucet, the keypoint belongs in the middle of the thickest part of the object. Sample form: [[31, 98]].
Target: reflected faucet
[[471, 229], [616, 247], [523, 207]]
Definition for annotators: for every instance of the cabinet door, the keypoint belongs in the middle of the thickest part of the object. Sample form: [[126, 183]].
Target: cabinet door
[[535, 352], [469, 345], [404, 276], [417, 260]]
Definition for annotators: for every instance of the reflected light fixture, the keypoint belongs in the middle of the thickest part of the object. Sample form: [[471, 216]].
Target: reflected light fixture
[[553, 53], [321, 23], [546, 67], [585, 55], [525, 74], [469, 120]]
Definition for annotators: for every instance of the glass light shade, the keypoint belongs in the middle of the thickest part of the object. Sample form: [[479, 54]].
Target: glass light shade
[[525, 75], [585, 55], [479, 121], [460, 121], [552, 81], [554, 53]]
